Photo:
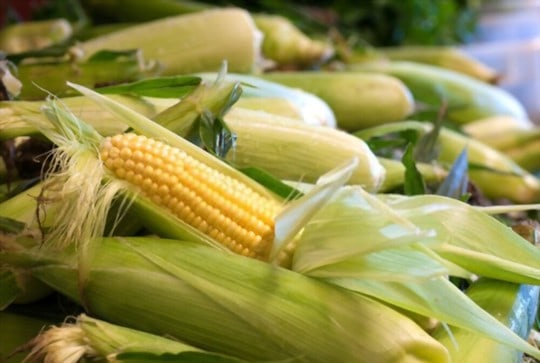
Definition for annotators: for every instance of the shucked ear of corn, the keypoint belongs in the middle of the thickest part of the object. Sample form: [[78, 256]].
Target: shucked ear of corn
[[229, 304]]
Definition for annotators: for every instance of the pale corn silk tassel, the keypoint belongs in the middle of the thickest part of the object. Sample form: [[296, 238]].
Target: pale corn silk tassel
[[74, 187], [65, 344]]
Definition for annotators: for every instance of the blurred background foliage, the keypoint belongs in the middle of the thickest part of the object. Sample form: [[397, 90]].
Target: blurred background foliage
[[374, 22]]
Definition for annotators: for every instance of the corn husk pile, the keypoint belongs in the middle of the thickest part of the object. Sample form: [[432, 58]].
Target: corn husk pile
[[216, 185]]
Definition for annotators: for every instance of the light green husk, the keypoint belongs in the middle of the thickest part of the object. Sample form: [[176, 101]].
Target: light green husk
[[293, 150], [513, 304], [18, 118], [286, 45], [313, 109], [229, 304], [34, 35], [467, 99], [395, 248], [358, 100], [195, 42], [90, 338], [449, 57]]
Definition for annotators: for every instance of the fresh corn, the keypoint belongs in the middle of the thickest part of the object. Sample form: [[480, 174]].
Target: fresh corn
[[195, 42], [358, 100], [451, 58], [217, 205], [228, 304], [18, 118], [292, 150], [92, 339], [313, 110], [286, 45], [34, 35], [467, 99], [50, 76]]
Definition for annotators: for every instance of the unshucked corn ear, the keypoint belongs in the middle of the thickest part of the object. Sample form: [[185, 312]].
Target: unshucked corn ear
[[292, 150], [358, 100], [93, 339], [468, 99], [230, 304], [34, 35], [313, 110], [18, 118], [285, 44], [195, 42]]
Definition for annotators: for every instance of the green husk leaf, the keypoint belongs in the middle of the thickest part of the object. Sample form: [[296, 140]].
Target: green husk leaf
[[164, 87], [9, 288], [353, 224], [298, 212], [9, 225], [470, 238], [274, 184], [184, 357], [414, 182], [514, 305], [226, 303], [400, 264], [455, 184], [439, 298]]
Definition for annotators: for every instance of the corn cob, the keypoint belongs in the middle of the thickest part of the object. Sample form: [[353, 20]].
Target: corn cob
[[204, 198], [519, 141], [467, 98], [226, 34], [358, 100], [85, 171], [293, 148], [229, 304]]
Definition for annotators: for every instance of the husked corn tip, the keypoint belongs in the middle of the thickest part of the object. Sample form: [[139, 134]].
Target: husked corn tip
[[216, 204]]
